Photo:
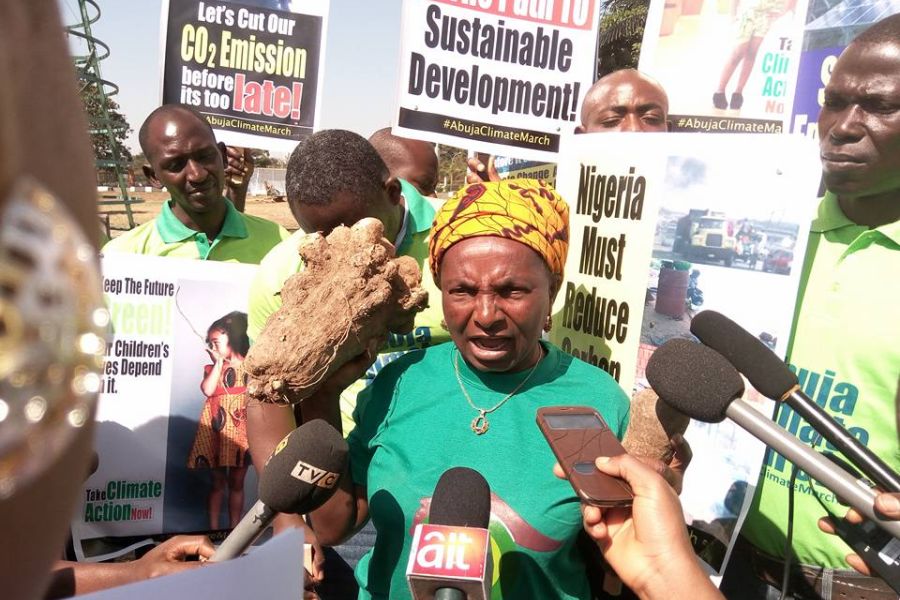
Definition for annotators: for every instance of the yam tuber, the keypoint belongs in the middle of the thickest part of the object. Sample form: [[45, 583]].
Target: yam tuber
[[351, 290], [651, 426]]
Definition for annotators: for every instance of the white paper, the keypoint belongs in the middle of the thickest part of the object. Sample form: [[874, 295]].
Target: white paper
[[273, 571]]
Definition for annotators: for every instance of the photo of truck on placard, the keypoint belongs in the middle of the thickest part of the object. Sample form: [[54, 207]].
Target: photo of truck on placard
[[707, 236]]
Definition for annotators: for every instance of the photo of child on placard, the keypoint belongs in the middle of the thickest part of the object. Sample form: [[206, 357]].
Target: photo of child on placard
[[220, 443], [209, 476]]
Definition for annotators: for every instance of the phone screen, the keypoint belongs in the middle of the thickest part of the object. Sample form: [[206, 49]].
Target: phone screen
[[575, 421]]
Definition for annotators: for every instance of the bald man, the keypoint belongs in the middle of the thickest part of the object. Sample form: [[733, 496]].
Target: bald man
[[198, 222], [844, 348], [411, 160], [625, 100]]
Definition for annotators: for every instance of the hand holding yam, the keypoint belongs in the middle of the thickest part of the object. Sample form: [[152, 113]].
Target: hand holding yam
[[654, 435], [352, 290], [651, 426]]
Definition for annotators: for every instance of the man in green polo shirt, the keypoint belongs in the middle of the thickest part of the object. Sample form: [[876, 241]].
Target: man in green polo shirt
[[413, 161], [198, 222], [845, 348], [336, 177]]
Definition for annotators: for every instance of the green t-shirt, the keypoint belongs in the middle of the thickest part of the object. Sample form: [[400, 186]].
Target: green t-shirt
[[284, 261], [243, 238], [413, 423], [846, 354]]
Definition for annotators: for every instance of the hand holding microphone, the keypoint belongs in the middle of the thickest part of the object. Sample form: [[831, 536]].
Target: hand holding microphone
[[886, 504], [301, 475], [701, 383]]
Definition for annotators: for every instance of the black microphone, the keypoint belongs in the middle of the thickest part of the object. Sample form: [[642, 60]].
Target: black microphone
[[768, 374], [450, 555], [462, 498], [299, 477], [702, 384]]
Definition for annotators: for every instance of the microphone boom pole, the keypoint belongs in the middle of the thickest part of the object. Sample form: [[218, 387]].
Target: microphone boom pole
[[814, 464]]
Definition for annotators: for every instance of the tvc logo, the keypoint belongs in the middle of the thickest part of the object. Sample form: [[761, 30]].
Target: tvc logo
[[314, 475]]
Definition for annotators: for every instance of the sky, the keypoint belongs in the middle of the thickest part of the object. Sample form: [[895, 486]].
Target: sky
[[361, 57]]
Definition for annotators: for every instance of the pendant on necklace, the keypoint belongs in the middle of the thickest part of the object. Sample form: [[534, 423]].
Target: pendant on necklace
[[480, 424]]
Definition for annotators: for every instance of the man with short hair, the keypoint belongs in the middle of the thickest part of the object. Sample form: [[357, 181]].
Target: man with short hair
[[413, 161], [198, 222], [336, 177], [845, 348], [625, 100]]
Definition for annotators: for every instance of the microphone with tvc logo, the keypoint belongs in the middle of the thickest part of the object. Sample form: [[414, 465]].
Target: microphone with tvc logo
[[450, 555], [768, 374], [300, 476]]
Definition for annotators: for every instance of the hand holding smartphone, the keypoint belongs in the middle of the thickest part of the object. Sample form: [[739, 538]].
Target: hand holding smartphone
[[578, 435]]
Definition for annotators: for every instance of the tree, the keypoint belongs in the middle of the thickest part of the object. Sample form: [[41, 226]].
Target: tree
[[106, 128], [451, 168], [263, 160], [136, 169], [621, 32]]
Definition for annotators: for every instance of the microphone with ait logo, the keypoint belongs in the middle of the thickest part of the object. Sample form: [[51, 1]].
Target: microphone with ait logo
[[450, 555], [299, 477]]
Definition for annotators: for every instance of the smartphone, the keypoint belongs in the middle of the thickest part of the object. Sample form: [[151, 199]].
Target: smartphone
[[578, 435]]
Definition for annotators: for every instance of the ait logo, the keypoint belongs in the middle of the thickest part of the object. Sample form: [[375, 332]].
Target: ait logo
[[508, 532]]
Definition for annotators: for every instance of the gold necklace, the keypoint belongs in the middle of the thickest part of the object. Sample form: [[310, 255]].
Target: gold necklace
[[480, 423]]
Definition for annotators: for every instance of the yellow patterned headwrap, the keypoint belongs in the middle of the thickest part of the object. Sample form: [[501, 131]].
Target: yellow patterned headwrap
[[526, 210]]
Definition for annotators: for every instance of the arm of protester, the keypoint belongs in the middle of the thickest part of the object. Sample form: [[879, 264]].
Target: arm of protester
[[886, 505], [343, 514], [646, 544], [268, 424], [348, 509], [238, 170], [172, 556], [477, 170]]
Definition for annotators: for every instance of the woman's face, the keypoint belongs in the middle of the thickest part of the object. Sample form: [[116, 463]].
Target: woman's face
[[217, 341], [496, 294]]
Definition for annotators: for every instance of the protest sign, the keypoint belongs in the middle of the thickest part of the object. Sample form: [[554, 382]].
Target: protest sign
[[829, 28], [162, 440], [499, 76], [254, 71], [815, 70], [517, 168], [661, 227], [727, 65]]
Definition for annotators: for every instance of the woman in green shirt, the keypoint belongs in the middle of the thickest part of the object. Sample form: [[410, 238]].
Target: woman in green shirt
[[497, 252]]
